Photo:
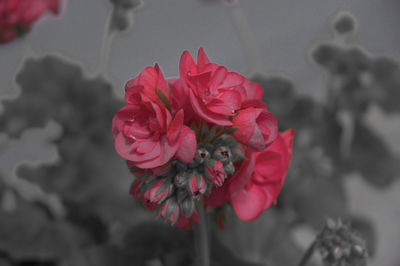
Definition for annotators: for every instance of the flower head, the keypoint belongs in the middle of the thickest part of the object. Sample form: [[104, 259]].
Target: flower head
[[206, 134]]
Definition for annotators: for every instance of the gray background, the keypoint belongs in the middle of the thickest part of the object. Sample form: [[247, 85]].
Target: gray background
[[285, 30]]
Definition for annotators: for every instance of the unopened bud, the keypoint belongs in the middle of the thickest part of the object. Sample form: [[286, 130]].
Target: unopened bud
[[215, 172], [196, 184], [223, 154], [181, 179], [158, 192], [201, 155], [187, 206], [229, 168], [170, 210]]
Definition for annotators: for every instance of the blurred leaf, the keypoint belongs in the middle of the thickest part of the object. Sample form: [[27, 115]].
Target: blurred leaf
[[26, 233], [315, 199], [367, 231], [156, 240], [221, 255], [368, 154], [104, 255], [89, 171], [386, 73], [265, 241]]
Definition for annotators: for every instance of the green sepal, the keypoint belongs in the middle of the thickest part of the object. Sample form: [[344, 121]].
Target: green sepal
[[171, 205], [134, 182], [187, 206], [231, 130], [238, 154], [164, 99], [181, 194], [165, 185]]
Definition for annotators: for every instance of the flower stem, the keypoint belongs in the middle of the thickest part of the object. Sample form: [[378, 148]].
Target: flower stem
[[201, 130], [308, 254], [222, 132], [105, 46], [247, 40], [201, 238]]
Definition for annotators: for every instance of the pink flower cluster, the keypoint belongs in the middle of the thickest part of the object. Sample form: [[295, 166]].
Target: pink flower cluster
[[16, 16], [205, 134]]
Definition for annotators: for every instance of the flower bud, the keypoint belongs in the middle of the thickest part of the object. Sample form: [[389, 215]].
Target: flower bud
[[170, 210], [201, 155], [181, 179], [187, 206], [181, 194], [136, 191], [222, 154], [229, 168], [159, 191], [215, 172], [338, 244], [196, 184]]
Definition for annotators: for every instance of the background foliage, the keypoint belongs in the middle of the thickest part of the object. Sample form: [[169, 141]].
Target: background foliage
[[74, 209]]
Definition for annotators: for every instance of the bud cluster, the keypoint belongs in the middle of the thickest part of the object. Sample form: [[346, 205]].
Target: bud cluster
[[175, 187], [341, 246]]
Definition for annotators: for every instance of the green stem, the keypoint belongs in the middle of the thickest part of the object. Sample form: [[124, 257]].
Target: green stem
[[223, 131], [201, 238], [247, 39], [308, 254], [106, 44], [201, 130]]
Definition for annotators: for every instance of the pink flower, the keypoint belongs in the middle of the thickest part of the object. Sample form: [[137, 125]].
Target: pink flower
[[144, 86], [213, 91], [144, 130], [256, 128], [257, 183], [16, 16]]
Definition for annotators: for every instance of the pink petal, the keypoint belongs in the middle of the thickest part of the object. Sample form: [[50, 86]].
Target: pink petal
[[232, 79], [243, 174], [188, 145], [268, 125], [167, 151], [187, 65], [269, 167], [256, 141], [217, 78], [206, 114], [217, 197], [228, 102], [244, 121], [249, 203], [202, 59], [145, 146], [161, 82], [123, 146], [175, 127]]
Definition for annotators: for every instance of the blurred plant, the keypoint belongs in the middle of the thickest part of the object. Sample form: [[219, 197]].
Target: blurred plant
[[17, 16], [102, 226], [338, 245], [120, 18]]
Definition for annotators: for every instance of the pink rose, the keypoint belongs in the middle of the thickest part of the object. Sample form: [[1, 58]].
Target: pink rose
[[257, 183], [16, 16]]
